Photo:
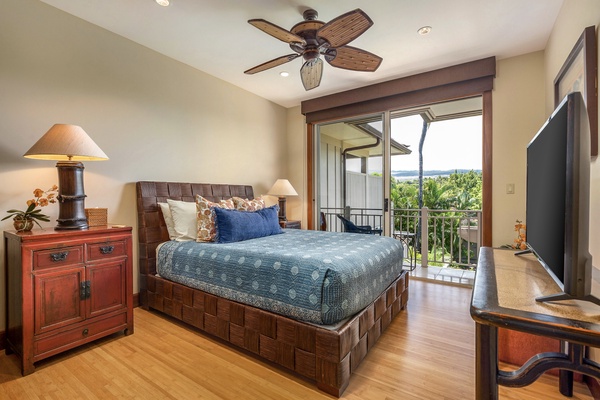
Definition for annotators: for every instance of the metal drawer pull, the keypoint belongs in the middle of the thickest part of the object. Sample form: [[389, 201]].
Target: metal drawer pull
[[56, 257], [106, 249], [85, 332]]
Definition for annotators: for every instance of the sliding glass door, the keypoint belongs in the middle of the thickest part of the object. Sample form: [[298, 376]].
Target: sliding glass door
[[415, 174], [350, 174]]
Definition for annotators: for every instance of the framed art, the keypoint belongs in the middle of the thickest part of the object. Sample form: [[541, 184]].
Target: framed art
[[579, 73]]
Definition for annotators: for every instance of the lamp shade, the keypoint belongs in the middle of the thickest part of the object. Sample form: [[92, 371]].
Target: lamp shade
[[66, 142], [282, 187]]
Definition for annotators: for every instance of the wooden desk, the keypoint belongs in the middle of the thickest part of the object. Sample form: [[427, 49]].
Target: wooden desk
[[504, 295]]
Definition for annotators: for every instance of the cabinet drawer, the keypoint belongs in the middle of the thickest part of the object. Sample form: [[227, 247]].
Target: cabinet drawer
[[82, 334], [102, 250], [57, 257]]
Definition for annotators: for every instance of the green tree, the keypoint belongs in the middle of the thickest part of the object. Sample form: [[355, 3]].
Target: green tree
[[404, 194], [437, 194], [459, 191]]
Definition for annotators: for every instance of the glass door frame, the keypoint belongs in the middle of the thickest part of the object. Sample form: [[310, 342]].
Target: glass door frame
[[315, 138], [459, 81]]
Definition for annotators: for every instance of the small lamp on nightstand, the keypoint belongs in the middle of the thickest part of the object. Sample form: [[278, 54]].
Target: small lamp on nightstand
[[69, 145], [282, 188]]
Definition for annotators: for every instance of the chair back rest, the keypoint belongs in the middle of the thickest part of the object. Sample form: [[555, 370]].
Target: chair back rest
[[323, 222], [348, 225]]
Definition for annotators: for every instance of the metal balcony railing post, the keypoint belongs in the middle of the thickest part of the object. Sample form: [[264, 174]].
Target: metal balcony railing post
[[347, 210]]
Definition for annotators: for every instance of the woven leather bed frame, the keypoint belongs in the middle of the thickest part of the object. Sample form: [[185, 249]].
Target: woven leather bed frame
[[327, 357]]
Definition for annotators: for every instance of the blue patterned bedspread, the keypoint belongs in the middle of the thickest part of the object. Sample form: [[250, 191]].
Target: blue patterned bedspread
[[319, 277]]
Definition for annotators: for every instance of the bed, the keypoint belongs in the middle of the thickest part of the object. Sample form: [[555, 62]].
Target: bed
[[326, 355]]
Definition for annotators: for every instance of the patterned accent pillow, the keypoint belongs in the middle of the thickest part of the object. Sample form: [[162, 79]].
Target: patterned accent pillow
[[205, 217], [249, 205]]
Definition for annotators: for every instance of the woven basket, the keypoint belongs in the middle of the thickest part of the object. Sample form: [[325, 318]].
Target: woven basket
[[97, 216]]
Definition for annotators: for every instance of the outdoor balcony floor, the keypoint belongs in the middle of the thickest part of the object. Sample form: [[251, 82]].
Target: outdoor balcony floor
[[444, 275]]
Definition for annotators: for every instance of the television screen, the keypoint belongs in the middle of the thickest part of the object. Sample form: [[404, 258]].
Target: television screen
[[558, 196], [546, 193]]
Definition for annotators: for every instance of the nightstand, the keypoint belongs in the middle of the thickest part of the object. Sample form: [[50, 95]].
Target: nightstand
[[290, 224], [66, 288]]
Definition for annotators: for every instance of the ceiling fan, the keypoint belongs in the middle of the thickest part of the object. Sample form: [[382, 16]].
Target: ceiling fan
[[312, 38]]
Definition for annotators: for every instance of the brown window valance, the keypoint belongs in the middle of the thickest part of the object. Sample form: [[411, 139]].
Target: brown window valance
[[459, 81]]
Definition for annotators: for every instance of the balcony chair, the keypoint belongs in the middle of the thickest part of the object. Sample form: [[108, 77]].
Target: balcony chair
[[323, 221], [350, 227]]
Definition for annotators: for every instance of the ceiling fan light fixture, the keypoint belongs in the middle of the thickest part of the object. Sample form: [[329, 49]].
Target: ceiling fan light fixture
[[163, 3], [424, 30], [311, 73]]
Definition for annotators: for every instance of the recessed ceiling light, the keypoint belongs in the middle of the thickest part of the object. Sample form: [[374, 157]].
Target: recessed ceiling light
[[424, 30], [163, 3], [285, 74]]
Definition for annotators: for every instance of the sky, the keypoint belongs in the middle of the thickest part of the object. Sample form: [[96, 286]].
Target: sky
[[451, 144]]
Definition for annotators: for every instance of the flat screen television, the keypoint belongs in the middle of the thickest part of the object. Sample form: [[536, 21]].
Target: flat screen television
[[558, 199]]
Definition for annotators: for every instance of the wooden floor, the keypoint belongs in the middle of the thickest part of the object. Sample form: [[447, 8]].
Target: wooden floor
[[426, 353]]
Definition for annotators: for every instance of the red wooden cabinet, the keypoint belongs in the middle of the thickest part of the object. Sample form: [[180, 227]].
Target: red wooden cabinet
[[66, 288]]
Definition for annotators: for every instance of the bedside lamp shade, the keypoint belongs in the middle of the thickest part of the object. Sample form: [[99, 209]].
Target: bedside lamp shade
[[69, 145], [282, 188]]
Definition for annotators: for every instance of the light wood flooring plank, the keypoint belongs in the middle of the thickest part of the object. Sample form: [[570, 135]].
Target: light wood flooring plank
[[426, 353]]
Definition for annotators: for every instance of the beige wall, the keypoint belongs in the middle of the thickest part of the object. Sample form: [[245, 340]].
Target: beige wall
[[574, 17], [518, 113], [156, 119], [295, 160]]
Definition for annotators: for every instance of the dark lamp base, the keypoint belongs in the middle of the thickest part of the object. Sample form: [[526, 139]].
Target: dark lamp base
[[282, 202], [71, 197], [71, 225]]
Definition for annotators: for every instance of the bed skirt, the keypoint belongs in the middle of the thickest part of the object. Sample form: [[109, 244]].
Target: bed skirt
[[327, 357]]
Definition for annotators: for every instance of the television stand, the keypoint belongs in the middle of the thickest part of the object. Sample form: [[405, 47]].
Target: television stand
[[562, 295], [504, 296], [522, 252]]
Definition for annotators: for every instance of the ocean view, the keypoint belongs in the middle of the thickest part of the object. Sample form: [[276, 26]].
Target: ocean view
[[414, 174]]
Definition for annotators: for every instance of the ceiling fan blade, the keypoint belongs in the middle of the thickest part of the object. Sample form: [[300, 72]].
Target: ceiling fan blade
[[345, 28], [311, 73], [348, 57], [273, 63], [276, 31]]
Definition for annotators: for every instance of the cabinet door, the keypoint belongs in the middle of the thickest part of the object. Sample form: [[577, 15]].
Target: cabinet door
[[58, 300], [107, 287]]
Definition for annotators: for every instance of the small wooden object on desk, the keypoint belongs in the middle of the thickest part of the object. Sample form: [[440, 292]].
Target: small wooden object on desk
[[66, 288], [290, 224], [96, 216]]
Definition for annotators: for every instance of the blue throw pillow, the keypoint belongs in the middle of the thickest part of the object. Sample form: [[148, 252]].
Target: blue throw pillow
[[235, 226]]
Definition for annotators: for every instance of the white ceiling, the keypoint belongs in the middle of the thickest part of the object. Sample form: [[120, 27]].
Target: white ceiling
[[213, 36]]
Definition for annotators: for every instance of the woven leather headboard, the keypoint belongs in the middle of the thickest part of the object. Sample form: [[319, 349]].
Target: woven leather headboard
[[151, 225]]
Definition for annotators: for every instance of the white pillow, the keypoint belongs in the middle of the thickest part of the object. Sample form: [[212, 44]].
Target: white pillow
[[184, 219], [166, 212]]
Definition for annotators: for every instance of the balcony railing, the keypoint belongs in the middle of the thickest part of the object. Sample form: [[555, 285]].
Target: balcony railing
[[431, 237], [360, 216]]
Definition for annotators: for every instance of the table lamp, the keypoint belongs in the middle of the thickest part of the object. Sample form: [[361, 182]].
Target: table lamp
[[282, 188], [69, 145]]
